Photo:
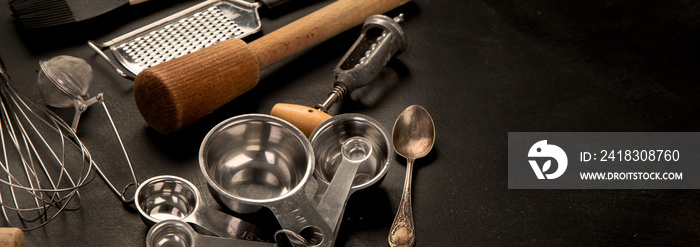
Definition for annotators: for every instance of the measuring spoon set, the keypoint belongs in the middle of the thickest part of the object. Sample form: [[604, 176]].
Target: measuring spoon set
[[253, 161]]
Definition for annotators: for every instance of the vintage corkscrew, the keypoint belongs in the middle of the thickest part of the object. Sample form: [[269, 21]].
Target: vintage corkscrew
[[381, 39]]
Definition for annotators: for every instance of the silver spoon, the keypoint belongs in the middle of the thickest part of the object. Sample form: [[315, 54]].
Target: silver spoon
[[414, 136]]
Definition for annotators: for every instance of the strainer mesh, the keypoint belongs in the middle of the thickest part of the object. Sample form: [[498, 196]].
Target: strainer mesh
[[63, 79]]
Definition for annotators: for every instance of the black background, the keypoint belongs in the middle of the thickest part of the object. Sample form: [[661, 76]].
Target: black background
[[482, 69]]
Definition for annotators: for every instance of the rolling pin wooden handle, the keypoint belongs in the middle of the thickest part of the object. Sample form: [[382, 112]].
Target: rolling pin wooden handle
[[11, 237], [317, 27], [176, 93], [304, 118]]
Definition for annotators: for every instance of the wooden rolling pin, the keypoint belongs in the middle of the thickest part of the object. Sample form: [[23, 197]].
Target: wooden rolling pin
[[11, 237], [176, 93]]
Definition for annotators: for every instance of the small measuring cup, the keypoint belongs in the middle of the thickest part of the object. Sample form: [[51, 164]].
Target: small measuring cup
[[252, 161], [178, 233], [348, 137], [173, 198]]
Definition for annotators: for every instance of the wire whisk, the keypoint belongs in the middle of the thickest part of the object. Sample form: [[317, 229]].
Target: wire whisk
[[43, 161]]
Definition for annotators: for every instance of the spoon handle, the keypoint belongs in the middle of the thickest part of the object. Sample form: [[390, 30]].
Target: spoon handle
[[402, 232]]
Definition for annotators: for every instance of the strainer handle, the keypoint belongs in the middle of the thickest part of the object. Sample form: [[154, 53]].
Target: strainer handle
[[100, 98]]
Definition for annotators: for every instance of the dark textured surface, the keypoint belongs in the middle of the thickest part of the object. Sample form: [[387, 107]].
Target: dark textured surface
[[482, 69]]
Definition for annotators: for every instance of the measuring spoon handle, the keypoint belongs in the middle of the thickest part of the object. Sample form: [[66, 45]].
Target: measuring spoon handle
[[225, 225], [402, 231], [296, 214], [333, 202]]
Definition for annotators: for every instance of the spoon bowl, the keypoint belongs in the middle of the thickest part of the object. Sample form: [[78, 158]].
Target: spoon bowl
[[414, 133]]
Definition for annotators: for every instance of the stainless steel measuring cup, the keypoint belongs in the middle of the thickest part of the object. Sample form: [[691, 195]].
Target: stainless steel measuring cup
[[255, 160], [330, 142], [173, 198], [178, 233]]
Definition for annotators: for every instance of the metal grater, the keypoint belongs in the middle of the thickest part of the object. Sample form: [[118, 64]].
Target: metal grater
[[184, 32]]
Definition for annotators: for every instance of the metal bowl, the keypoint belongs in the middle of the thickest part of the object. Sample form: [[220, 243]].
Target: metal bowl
[[166, 198], [327, 140], [173, 233], [254, 159]]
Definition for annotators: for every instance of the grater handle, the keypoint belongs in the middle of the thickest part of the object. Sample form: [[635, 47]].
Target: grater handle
[[317, 27], [98, 49]]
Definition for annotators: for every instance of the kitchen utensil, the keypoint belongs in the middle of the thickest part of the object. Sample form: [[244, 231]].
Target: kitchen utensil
[[46, 13], [381, 39], [327, 141], [414, 136], [178, 233], [64, 81], [184, 32], [255, 160], [42, 158], [169, 197], [176, 93], [11, 237], [354, 152]]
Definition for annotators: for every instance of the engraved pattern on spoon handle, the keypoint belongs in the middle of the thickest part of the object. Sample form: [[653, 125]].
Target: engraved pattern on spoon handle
[[402, 231]]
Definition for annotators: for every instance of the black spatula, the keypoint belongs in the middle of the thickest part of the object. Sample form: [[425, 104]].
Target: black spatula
[[46, 13]]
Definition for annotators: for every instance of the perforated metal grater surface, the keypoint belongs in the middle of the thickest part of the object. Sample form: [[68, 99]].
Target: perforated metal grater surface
[[187, 31]]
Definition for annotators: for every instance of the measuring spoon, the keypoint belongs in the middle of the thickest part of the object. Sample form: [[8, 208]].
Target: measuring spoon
[[173, 198], [179, 233], [355, 151]]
